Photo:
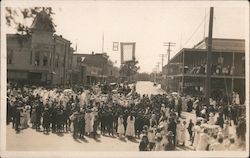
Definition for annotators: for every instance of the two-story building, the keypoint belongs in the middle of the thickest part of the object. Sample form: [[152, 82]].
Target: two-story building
[[92, 68], [42, 57], [186, 71]]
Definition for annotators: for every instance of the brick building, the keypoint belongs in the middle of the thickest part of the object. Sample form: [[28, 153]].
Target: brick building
[[186, 71], [42, 57], [93, 68]]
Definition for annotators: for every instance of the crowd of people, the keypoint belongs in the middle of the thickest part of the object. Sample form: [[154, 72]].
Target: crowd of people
[[216, 69], [156, 120]]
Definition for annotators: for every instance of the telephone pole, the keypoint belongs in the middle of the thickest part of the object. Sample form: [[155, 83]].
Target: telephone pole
[[102, 42], [162, 59], [209, 52], [169, 44], [157, 67]]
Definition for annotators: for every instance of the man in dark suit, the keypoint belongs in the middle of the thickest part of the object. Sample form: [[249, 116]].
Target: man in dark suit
[[17, 120], [172, 127]]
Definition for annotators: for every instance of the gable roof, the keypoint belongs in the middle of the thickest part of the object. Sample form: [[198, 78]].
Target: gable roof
[[43, 22]]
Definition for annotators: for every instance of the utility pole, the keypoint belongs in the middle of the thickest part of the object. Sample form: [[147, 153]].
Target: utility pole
[[103, 43], [162, 59], [169, 44], [157, 67], [209, 54]]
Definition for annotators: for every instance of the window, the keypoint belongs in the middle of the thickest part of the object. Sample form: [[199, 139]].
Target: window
[[30, 57], [45, 59], [70, 60], [10, 57], [50, 59], [56, 61], [220, 60], [37, 58], [62, 61]]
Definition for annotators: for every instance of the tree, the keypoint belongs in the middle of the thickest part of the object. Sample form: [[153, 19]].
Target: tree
[[129, 69], [17, 17]]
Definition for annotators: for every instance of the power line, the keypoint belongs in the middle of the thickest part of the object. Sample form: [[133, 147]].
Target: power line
[[169, 44], [162, 59], [196, 30]]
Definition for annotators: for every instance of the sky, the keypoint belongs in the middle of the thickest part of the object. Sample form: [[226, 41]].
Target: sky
[[148, 24]]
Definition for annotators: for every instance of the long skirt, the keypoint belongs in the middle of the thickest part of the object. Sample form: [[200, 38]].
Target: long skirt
[[120, 129], [89, 126], [130, 129], [33, 118]]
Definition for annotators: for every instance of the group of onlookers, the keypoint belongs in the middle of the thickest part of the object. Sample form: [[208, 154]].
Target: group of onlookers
[[216, 69], [156, 120]]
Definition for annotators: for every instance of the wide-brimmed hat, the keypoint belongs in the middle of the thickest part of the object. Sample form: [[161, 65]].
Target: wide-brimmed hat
[[211, 115], [19, 108], [158, 135], [170, 134], [27, 107], [203, 126], [161, 126], [150, 130]]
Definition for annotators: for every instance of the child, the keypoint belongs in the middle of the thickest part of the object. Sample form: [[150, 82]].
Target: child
[[190, 129], [226, 129], [158, 142], [144, 143], [151, 138], [232, 146]]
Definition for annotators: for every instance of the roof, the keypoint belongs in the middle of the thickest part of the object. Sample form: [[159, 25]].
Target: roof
[[223, 44], [97, 60], [43, 22], [14, 39], [219, 45], [61, 38]]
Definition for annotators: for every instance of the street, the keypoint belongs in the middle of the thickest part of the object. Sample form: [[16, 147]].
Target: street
[[29, 139]]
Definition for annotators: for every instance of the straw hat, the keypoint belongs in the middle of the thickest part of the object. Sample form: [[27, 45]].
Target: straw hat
[[158, 135], [28, 107], [170, 134], [161, 126]]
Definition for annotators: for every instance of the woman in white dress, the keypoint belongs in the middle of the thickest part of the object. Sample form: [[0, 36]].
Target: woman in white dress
[[211, 119], [196, 134], [25, 118], [88, 122], [22, 121], [130, 131], [178, 131], [120, 128], [182, 136], [203, 141]]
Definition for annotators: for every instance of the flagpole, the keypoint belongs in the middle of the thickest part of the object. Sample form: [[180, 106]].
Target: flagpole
[[76, 46], [102, 42]]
